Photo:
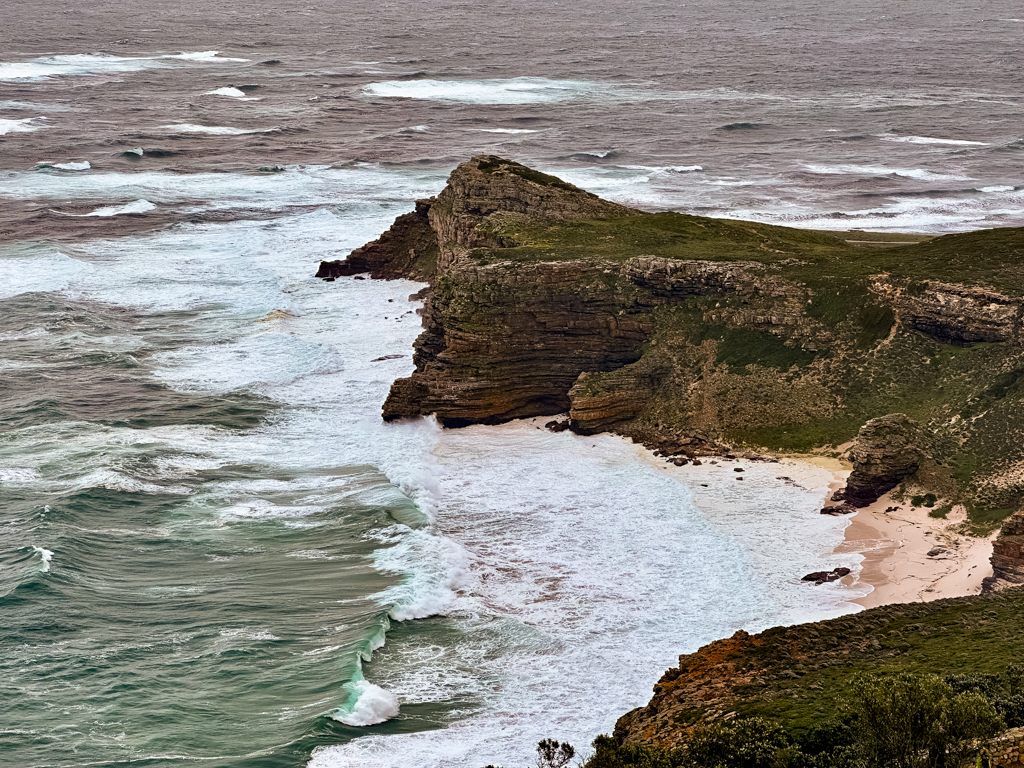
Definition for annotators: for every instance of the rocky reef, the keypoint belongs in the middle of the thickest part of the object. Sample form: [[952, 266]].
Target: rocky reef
[[696, 335]]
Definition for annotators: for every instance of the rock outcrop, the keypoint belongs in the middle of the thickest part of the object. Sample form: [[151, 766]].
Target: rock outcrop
[[1008, 554], [692, 335], [408, 249], [958, 313], [804, 675], [886, 451]]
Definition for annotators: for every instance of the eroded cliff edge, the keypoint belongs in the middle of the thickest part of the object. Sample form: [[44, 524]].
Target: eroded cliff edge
[[693, 335]]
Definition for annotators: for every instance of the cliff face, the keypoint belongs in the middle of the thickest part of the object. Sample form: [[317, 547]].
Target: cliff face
[[1008, 554], [692, 334]]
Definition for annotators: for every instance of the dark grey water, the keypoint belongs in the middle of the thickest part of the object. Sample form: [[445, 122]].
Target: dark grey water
[[205, 530]]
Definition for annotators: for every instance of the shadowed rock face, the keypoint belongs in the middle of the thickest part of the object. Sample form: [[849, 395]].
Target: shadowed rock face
[[960, 314], [887, 450]]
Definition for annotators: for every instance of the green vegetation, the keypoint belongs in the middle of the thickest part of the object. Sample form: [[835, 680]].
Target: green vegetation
[[897, 721], [990, 257], [524, 172], [893, 721]]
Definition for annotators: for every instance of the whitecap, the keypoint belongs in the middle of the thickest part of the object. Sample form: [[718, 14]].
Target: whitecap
[[213, 57], [24, 125], [83, 165], [261, 509], [46, 556], [933, 140], [368, 704], [231, 93], [121, 482], [433, 568], [994, 188], [134, 208], [512, 132], [11, 475], [516, 90], [67, 65], [214, 130], [855, 169]]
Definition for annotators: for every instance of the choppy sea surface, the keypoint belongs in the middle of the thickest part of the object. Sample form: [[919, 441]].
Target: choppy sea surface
[[212, 551]]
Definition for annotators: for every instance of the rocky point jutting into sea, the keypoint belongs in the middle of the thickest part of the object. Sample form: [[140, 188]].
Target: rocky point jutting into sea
[[694, 335], [700, 337]]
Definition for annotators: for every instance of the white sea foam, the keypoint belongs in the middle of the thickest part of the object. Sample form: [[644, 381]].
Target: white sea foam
[[994, 188], [437, 566], [933, 140], [48, 67], [370, 705], [231, 93], [83, 165], [214, 130], [42, 269], [18, 475], [115, 480], [563, 585], [136, 207], [856, 169], [45, 557], [23, 125], [509, 131], [547, 586], [516, 90]]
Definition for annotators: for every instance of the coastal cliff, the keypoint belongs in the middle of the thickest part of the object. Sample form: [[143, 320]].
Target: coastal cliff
[[694, 335]]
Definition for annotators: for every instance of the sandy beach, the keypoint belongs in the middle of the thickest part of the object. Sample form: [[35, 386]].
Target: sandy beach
[[910, 556]]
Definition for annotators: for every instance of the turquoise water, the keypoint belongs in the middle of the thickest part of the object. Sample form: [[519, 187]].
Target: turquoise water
[[186, 532]]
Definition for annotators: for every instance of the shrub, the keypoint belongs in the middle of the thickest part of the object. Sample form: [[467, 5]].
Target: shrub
[[920, 721]]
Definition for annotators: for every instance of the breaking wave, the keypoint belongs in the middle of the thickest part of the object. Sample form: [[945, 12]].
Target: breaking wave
[[516, 90], [932, 140], [134, 208], [23, 125], [48, 67], [215, 130], [856, 169]]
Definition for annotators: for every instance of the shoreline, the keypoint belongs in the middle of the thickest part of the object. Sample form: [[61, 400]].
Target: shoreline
[[907, 555], [912, 557]]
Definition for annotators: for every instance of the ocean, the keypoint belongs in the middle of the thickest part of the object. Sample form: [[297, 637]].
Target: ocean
[[212, 550]]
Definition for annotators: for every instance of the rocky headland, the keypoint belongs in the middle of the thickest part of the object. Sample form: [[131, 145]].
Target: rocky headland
[[697, 337], [700, 336]]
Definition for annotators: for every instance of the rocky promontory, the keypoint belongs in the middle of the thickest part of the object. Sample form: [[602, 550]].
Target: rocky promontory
[[696, 335]]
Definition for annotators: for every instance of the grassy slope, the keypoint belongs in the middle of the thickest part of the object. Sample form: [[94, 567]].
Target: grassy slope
[[809, 670]]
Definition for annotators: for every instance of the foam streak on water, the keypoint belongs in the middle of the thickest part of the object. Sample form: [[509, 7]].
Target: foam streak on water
[[515, 569]]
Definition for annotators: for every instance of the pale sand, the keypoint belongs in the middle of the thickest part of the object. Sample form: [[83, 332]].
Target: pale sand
[[895, 546]]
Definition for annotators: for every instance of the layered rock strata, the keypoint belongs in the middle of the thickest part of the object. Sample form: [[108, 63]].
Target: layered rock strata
[[692, 335]]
